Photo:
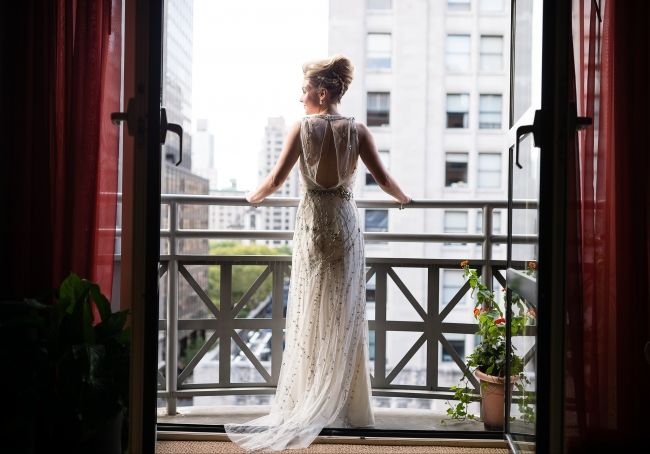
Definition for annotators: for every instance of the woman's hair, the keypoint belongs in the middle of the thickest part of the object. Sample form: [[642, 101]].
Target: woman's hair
[[334, 74]]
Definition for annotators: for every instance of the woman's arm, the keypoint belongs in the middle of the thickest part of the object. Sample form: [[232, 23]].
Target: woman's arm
[[288, 157], [370, 157]]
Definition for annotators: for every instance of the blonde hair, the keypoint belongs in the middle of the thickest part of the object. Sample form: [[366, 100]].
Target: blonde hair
[[334, 74]]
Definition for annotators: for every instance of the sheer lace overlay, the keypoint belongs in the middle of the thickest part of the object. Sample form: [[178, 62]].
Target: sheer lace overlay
[[324, 378]]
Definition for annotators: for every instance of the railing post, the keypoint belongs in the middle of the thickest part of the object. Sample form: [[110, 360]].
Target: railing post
[[487, 245], [225, 324], [277, 320], [433, 325], [171, 360], [380, 325]]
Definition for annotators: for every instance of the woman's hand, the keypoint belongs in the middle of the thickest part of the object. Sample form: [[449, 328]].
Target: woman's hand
[[251, 199]]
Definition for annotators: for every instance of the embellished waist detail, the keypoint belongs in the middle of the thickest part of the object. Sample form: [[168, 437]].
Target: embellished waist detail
[[338, 191]]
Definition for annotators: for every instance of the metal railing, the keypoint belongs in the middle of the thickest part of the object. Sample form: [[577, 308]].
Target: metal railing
[[225, 323]]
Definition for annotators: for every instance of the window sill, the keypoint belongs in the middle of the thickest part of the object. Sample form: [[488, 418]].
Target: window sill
[[457, 189], [487, 190], [500, 72], [491, 131]]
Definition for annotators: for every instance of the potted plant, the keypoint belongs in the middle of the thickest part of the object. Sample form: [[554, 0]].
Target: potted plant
[[89, 348], [488, 360], [78, 367]]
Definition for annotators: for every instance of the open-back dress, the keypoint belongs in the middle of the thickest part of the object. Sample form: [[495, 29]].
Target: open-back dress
[[324, 379]]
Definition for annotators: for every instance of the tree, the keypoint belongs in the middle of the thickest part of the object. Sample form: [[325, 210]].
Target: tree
[[243, 276]]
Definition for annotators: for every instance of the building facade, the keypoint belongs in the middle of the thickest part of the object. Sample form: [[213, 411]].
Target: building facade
[[203, 154], [275, 218], [431, 83]]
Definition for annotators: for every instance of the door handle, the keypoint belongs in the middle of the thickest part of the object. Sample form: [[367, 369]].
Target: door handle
[[527, 129], [128, 116], [173, 127], [582, 123]]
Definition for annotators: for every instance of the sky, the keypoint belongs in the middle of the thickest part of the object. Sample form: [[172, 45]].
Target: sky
[[247, 66]]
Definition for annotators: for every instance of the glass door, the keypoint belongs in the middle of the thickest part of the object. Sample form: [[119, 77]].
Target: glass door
[[523, 221]]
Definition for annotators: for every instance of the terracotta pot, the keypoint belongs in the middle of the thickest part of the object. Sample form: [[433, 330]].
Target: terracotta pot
[[493, 399]]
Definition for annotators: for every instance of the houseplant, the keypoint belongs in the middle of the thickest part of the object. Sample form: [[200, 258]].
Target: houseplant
[[74, 355], [89, 347], [488, 360]]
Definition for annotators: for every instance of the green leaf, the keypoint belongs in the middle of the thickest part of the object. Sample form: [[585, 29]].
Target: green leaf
[[103, 306]]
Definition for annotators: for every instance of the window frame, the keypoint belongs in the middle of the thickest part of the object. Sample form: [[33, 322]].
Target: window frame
[[480, 170], [481, 111], [468, 67], [379, 54], [447, 162], [483, 54], [377, 112], [465, 121]]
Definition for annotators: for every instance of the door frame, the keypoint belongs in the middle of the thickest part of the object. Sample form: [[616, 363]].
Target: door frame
[[553, 131], [556, 127], [141, 213]]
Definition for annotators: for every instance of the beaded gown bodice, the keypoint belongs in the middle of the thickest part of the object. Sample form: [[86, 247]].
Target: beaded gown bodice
[[324, 379]]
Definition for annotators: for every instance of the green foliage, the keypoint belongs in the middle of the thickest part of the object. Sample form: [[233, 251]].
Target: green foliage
[[243, 276], [489, 356], [90, 356], [194, 344], [78, 358]]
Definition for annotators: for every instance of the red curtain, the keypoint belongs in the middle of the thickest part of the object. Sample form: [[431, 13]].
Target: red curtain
[[62, 79], [608, 299]]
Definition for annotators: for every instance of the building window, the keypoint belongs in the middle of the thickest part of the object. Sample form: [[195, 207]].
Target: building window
[[491, 58], [496, 222], [491, 5], [458, 110], [455, 222], [380, 4], [456, 170], [379, 50], [452, 281], [458, 345], [371, 345], [378, 109], [457, 53], [489, 112], [376, 220], [459, 5], [383, 155], [489, 171]]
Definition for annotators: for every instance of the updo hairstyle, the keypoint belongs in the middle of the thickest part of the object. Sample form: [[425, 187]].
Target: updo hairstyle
[[334, 74]]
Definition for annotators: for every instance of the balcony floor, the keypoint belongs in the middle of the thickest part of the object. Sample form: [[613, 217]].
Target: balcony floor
[[320, 447], [385, 418]]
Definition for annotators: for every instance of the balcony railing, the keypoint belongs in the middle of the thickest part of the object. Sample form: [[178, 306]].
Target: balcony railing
[[431, 325]]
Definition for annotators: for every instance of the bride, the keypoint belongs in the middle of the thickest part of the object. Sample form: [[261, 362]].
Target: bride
[[324, 378]]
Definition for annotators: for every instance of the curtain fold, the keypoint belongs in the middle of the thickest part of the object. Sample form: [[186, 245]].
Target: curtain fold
[[61, 171], [608, 301]]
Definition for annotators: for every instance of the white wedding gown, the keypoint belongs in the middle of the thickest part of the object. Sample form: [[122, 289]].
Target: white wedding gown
[[324, 378]]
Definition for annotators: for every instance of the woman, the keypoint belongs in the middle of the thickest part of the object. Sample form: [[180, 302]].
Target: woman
[[324, 380]]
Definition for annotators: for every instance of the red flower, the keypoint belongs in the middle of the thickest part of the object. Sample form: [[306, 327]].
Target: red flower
[[464, 263], [476, 312], [499, 321]]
